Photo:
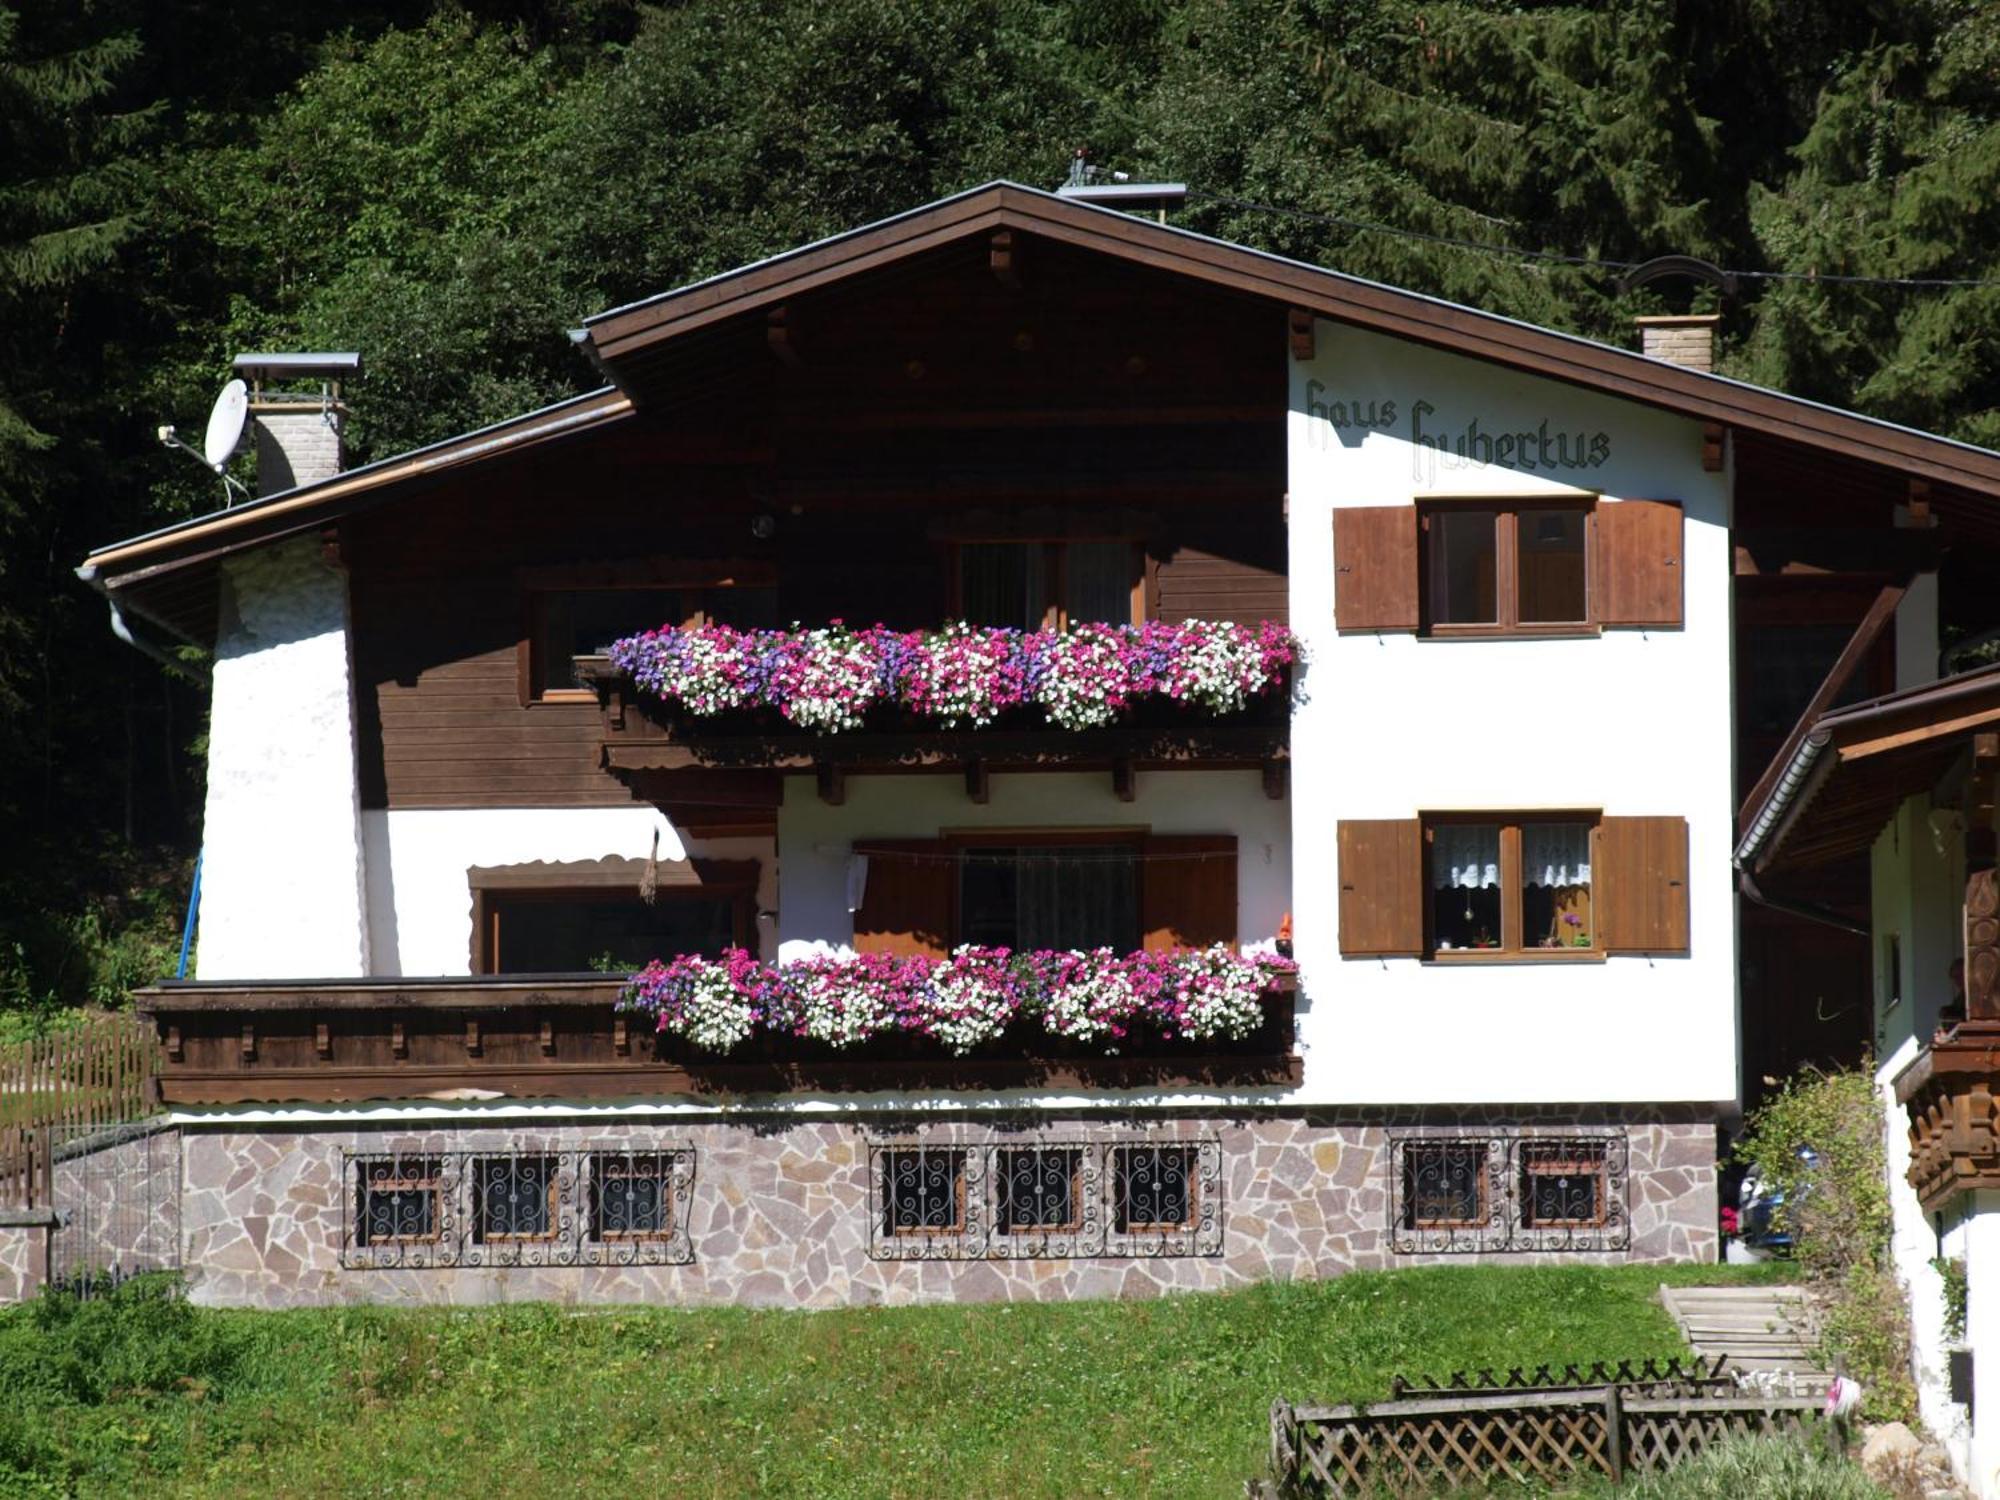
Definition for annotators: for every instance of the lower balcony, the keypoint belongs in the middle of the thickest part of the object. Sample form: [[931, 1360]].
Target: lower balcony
[[574, 1036], [1952, 1094]]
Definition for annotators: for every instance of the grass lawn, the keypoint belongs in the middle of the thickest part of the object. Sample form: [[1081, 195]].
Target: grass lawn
[[143, 1395]]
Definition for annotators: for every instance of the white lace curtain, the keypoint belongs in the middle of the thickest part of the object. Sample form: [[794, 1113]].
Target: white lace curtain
[[1466, 856]]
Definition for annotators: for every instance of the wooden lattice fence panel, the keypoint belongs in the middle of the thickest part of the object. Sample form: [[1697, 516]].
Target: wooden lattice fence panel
[[1554, 1437]]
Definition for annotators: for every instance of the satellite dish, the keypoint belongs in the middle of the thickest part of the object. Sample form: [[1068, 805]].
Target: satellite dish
[[225, 424]]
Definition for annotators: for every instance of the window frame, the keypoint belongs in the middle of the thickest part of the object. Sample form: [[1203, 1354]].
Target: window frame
[[1511, 949], [961, 1158], [1003, 1195], [1507, 512], [429, 1179], [623, 1166], [1055, 574], [481, 1231], [1530, 1165], [1119, 1176], [701, 578], [493, 887], [1504, 1153]]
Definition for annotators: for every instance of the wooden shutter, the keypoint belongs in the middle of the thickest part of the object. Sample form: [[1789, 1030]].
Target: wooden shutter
[[1187, 901], [1381, 887], [1375, 567], [907, 905], [1639, 562], [1640, 884]]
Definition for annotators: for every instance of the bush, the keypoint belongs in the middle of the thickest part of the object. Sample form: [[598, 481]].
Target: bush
[[1840, 1220], [1746, 1468]]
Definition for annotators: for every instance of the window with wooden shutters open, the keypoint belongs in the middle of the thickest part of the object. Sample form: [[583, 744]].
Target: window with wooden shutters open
[[1381, 887], [1643, 904], [1187, 890], [906, 903], [1375, 567], [1639, 563]]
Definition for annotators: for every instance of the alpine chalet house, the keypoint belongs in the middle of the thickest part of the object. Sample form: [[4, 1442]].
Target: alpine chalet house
[[1015, 752]]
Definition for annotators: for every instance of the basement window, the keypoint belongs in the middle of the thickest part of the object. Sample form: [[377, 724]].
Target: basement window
[[1153, 1189], [1562, 1184], [632, 1196], [398, 1201], [1039, 1189], [514, 1198], [1444, 1184], [923, 1191]]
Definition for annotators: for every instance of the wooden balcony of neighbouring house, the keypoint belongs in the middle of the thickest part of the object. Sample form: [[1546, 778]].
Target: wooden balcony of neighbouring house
[[1952, 1094], [645, 739], [565, 1036]]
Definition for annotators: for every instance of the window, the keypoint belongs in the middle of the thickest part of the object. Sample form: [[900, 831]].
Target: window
[[1444, 1184], [1049, 895], [569, 918], [1153, 1189], [398, 1201], [1511, 886], [1506, 1190], [1039, 1188], [513, 1198], [923, 1191], [1053, 585], [632, 1195], [570, 622], [1506, 568], [1005, 1198], [1562, 1184], [542, 1205]]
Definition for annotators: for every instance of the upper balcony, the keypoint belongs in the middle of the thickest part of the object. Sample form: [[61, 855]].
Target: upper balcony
[[1120, 697], [1952, 1093]]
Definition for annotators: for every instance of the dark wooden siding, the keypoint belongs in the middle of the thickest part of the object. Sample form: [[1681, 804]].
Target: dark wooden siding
[[1115, 398]]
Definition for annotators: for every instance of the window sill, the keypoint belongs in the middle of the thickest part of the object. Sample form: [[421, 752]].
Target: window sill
[[1573, 632], [1500, 956]]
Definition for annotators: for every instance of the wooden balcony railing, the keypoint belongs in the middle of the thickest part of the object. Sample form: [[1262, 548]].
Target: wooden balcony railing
[[1952, 1094], [561, 1036]]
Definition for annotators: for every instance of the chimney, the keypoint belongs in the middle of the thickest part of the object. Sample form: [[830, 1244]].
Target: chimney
[[1686, 339], [297, 414]]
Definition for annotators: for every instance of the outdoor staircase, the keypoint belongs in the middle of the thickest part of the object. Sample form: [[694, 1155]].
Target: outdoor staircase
[[1762, 1331]]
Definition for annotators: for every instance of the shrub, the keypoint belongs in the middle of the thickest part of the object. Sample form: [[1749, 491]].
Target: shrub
[[1839, 1216], [1743, 1468]]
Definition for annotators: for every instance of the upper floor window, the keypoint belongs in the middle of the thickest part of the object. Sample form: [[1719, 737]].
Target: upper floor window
[[557, 920], [1506, 568], [1036, 585], [1508, 886]]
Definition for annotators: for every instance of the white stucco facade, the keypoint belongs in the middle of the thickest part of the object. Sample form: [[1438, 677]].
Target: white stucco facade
[[281, 892], [1634, 722]]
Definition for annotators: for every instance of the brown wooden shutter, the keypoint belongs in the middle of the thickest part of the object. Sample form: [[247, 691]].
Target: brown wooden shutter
[[1381, 887], [1639, 562], [1640, 884], [1375, 567], [1187, 890], [907, 905]]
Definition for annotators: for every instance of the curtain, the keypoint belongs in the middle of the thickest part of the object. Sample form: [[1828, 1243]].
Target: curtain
[[1076, 898], [1554, 854], [1465, 856]]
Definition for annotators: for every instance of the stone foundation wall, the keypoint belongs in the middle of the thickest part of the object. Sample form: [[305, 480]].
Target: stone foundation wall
[[780, 1212], [24, 1252]]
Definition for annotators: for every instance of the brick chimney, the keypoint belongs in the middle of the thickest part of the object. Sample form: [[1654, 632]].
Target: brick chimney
[[297, 415], [1686, 339]]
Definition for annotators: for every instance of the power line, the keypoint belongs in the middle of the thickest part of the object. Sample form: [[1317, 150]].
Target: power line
[[1581, 262]]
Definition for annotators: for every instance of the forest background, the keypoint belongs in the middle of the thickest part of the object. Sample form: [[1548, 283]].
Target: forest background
[[447, 186]]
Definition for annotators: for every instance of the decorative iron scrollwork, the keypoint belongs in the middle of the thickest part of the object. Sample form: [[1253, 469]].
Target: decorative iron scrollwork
[[1024, 1198], [521, 1206], [1498, 1191]]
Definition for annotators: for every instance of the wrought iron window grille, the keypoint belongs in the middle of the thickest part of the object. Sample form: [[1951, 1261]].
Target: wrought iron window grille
[[525, 1206], [1028, 1199], [1503, 1191]]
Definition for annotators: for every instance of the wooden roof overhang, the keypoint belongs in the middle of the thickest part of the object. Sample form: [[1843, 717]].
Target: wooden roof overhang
[[666, 348], [1854, 767]]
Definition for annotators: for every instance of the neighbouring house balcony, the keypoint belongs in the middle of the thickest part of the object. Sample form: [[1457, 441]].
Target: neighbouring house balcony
[[833, 700], [734, 1027], [1952, 1093]]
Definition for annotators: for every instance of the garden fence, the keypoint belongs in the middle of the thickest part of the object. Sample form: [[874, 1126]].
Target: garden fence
[[1551, 1436], [60, 1087]]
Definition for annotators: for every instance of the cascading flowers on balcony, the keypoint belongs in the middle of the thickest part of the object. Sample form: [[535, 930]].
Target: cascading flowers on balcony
[[963, 676], [976, 995]]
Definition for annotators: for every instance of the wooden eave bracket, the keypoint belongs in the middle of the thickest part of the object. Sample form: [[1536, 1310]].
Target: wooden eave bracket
[[1004, 257], [832, 783], [474, 1046], [1299, 325], [778, 335], [1713, 435], [322, 1041], [1920, 502], [548, 1037], [399, 1040], [249, 1043], [1277, 778], [978, 782], [1124, 780]]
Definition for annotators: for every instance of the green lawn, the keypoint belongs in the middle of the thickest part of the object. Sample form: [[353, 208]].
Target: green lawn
[[144, 1395]]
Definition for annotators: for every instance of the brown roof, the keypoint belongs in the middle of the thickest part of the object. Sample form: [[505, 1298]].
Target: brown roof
[[1856, 765], [635, 343]]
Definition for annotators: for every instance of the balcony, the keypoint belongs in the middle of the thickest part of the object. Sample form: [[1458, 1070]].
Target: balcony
[[832, 700], [1952, 1094], [566, 1036]]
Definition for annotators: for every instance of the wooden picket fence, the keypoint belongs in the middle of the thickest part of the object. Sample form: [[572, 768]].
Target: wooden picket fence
[[1546, 1437], [55, 1088]]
